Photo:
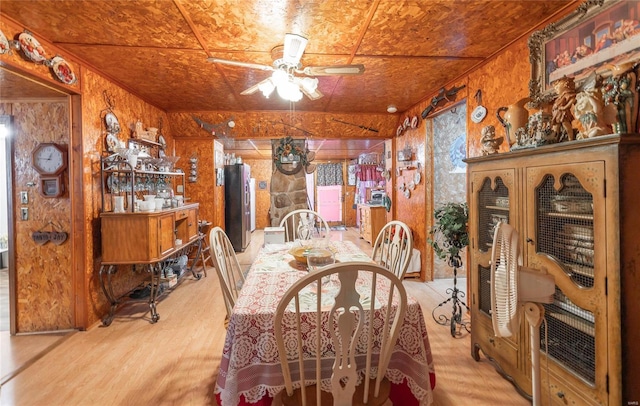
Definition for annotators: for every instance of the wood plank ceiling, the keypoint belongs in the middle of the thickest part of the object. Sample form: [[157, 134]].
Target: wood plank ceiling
[[158, 49]]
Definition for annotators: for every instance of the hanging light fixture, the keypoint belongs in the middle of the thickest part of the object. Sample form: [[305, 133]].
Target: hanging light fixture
[[285, 85], [267, 87]]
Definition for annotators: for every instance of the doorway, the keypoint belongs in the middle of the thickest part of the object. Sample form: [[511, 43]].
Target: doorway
[[449, 129], [330, 204], [5, 173]]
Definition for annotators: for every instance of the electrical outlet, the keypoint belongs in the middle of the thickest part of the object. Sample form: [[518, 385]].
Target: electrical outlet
[[24, 213], [180, 189], [24, 197]]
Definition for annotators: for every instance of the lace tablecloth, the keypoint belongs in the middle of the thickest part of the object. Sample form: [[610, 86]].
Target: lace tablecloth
[[250, 367]]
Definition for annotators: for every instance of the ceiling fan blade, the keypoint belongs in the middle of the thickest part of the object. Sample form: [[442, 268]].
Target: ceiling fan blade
[[241, 64], [256, 87], [357, 69], [294, 46]]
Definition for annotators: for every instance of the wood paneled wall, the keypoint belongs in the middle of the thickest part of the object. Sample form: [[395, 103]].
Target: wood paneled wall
[[44, 279]]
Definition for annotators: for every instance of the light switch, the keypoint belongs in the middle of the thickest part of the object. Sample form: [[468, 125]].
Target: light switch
[[24, 197], [24, 213]]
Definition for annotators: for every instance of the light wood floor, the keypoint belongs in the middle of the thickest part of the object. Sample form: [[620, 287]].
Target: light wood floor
[[176, 361]]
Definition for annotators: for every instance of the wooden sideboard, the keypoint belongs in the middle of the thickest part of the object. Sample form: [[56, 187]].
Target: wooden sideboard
[[372, 219], [151, 239], [146, 237]]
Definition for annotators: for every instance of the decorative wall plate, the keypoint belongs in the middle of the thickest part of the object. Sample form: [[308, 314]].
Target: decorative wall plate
[[4, 44], [111, 121], [416, 178], [478, 114], [406, 123], [113, 184], [414, 122], [112, 142], [62, 70], [407, 193], [411, 185], [399, 130], [32, 48]]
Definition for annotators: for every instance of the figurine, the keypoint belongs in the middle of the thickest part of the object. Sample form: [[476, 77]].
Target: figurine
[[561, 111], [589, 112], [620, 90], [490, 143]]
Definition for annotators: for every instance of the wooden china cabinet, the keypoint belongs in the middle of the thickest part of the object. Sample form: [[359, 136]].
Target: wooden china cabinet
[[575, 206]]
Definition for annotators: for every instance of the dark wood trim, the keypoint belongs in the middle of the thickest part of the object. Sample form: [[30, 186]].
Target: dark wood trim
[[77, 196]]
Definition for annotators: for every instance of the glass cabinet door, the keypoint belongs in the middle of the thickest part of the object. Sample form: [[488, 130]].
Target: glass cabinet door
[[565, 236]]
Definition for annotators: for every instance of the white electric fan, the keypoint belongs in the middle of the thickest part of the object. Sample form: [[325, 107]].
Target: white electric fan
[[513, 285]]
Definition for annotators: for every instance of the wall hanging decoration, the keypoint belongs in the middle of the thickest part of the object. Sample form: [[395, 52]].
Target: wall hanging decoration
[[4, 44], [111, 123], [355, 125], [31, 48], [480, 112], [290, 156], [61, 70], [219, 130], [613, 36], [41, 237], [193, 171], [443, 94]]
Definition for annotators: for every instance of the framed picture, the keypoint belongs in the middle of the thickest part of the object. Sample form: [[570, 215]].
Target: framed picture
[[599, 34]]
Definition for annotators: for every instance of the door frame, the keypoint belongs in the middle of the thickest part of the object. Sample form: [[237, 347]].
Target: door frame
[[9, 152]]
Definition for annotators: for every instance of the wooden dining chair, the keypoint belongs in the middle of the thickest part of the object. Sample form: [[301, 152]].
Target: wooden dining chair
[[227, 267], [301, 224], [358, 347], [393, 247]]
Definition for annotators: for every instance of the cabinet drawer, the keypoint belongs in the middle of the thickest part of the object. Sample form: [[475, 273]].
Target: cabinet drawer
[[182, 214]]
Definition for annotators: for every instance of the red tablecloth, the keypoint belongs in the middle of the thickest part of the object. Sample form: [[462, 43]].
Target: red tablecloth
[[250, 369]]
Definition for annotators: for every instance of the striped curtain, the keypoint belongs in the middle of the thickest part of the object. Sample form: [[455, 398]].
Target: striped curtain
[[329, 175]]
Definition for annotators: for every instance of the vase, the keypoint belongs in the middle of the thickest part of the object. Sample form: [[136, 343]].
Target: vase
[[515, 116]]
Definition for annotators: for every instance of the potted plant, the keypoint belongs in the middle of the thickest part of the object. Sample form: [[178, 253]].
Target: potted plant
[[450, 232], [449, 236]]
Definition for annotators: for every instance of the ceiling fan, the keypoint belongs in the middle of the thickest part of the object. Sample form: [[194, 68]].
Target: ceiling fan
[[286, 66]]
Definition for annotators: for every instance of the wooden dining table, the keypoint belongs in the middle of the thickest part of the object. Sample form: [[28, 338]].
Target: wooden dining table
[[250, 371]]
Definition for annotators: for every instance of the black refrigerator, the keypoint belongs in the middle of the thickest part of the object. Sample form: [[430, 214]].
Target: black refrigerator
[[237, 205]]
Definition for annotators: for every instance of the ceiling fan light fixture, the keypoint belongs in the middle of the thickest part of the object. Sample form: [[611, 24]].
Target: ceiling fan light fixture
[[294, 46], [289, 91], [310, 84], [267, 87]]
